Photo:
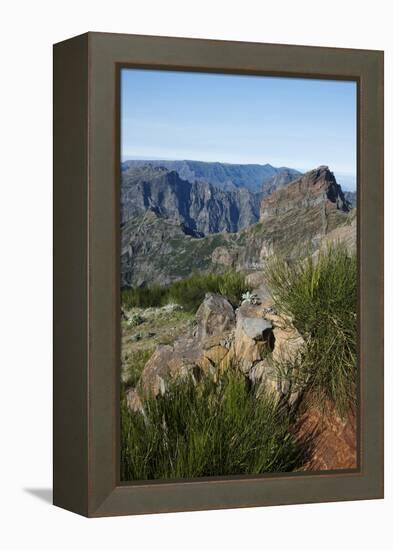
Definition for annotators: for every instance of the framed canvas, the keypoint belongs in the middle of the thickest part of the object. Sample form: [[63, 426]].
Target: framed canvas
[[218, 274]]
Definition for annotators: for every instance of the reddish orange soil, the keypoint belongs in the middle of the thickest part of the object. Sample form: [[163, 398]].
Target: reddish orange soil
[[332, 439]]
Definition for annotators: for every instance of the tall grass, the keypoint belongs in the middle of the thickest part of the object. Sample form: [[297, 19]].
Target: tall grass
[[320, 294], [188, 293], [207, 429], [144, 297]]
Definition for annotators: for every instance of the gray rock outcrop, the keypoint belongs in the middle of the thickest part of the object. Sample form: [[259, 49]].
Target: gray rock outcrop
[[254, 340], [214, 316]]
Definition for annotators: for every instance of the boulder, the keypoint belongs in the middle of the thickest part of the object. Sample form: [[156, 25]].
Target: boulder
[[253, 336], [270, 382], [265, 374], [256, 328], [247, 352], [206, 366], [225, 340], [258, 371], [169, 362], [214, 316], [214, 351], [189, 356], [216, 354], [255, 278], [288, 344], [253, 339], [229, 360], [263, 293]]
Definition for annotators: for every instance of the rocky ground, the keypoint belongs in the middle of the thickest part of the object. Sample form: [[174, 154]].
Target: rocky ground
[[251, 338], [142, 330], [163, 344]]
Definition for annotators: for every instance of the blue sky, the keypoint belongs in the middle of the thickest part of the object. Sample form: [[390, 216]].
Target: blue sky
[[300, 123]]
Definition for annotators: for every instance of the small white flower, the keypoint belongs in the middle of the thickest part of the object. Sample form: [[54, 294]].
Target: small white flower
[[249, 298]]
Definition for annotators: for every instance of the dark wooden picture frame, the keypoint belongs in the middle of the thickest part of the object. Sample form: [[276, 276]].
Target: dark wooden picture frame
[[86, 273]]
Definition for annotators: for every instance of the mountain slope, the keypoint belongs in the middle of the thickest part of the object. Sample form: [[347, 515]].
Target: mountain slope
[[155, 249], [294, 219], [280, 179]]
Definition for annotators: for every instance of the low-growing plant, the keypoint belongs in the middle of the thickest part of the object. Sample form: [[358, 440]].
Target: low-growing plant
[[189, 292], [320, 295], [135, 320], [209, 428]]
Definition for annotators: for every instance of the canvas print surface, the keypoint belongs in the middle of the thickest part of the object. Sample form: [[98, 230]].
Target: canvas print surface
[[238, 275]]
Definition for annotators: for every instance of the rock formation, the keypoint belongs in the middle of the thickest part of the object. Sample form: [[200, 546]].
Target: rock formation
[[317, 188], [250, 339], [214, 316], [295, 219]]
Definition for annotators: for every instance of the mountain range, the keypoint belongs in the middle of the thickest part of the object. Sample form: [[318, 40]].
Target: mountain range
[[294, 218], [219, 174], [205, 197]]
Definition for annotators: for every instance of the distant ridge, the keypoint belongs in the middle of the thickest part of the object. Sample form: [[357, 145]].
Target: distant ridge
[[224, 175]]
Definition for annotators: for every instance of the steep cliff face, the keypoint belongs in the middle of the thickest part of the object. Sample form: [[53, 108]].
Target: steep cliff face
[[199, 205], [294, 220], [304, 212]]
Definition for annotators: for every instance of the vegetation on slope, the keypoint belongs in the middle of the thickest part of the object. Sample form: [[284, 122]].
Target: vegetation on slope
[[219, 426], [207, 429], [320, 295], [146, 329], [189, 292]]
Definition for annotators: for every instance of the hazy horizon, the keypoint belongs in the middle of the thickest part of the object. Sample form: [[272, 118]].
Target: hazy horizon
[[347, 181], [296, 122]]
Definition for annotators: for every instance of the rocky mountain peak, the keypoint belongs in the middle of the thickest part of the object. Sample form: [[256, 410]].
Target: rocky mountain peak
[[316, 187]]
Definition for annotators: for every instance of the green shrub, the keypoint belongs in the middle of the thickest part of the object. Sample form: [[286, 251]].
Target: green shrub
[[207, 429], [320, 294], [188, 293], [233, 285], [143, 296]]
